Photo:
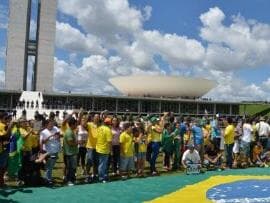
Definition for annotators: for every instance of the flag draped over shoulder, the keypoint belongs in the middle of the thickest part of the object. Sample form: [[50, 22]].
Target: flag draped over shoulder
[[15, 153]]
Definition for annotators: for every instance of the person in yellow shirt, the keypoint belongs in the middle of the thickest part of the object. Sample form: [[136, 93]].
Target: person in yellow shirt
[[229, 135], [25, 172], [91, 155], [103, 148], [154, 139], [126, 151], [141, 140]]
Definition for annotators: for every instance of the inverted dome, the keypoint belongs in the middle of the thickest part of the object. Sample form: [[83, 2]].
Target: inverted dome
[[162, 86]]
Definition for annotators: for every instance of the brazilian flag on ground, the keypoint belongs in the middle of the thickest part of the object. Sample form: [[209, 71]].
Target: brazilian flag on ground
[[245, 185], [15, 153]]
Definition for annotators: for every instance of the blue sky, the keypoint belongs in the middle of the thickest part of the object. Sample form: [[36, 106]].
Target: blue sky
[[209, 35]]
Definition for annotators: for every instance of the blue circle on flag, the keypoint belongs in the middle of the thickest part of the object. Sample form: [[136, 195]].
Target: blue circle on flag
[[241, 191]]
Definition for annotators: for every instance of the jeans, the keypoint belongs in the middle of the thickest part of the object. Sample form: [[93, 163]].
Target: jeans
[[71, 161], [263, 140], [115, 157], [229, 152], [50, 165], [81, 156], [103, 166], [155, 151], [92, 160], [25, 173]]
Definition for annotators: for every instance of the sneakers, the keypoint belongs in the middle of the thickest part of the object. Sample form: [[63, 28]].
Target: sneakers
[[20, 183], [88, 179], [70, 183], [154, 173], [124, 177]]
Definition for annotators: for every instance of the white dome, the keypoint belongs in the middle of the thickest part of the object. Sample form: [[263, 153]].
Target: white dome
[[162, 86]]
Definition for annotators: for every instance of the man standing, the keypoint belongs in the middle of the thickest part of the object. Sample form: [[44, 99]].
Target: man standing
[[50, 138], [229, 141], [263, 130], [71, 151], [154, 138], [91, 155], [103, 148]]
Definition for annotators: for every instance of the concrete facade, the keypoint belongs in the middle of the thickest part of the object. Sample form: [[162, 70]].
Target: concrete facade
[[16, 46], [46, 39], [20, 46]]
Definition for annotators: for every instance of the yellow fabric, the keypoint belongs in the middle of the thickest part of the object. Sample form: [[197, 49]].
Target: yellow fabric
[[92, 135], [154, 135], [104, 138], [34, 139], [126, 142], [142, 147], [257, 150], [254, 128], [206, 135], [27, 146], [2, 129], [64, 127], [229, 134], [197, 192]]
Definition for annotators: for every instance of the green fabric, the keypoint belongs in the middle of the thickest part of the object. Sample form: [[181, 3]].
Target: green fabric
[[15, 157], [133, 190], [68, 149], [167, 141]]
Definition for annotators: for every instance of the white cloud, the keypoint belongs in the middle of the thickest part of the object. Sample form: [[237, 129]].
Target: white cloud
[[266, 84], [70, 38], [147, 12], [179, 51], [109, 26], [245, 42], [103, 16]]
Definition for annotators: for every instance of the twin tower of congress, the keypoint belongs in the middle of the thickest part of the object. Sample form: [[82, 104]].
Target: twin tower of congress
[[20, 47]]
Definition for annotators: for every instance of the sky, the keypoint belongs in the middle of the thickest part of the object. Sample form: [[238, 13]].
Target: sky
[[223, 40]]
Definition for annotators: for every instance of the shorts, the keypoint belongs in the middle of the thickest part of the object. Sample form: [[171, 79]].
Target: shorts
[[141, 155], [245, 148], [126, 163]]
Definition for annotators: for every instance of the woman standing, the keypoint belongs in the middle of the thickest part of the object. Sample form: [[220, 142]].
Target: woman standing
[[115, 145], [82, 135]]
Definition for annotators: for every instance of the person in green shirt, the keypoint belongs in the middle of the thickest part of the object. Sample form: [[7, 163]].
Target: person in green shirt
[[70, 147], [167, 145]]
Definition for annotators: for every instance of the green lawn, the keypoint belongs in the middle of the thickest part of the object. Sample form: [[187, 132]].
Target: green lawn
[[251, 109], [58, 172]]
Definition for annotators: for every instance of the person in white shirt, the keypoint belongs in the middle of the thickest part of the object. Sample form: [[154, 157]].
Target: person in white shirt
[[263, 130], [246, 139], [191, 156], [82, 136], [50, 139]]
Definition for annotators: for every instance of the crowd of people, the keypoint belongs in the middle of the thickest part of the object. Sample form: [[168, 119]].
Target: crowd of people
[[105, 145]]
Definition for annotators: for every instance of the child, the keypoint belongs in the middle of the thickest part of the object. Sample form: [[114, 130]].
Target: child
[[126, 151], [258, 157], [141, 141]]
